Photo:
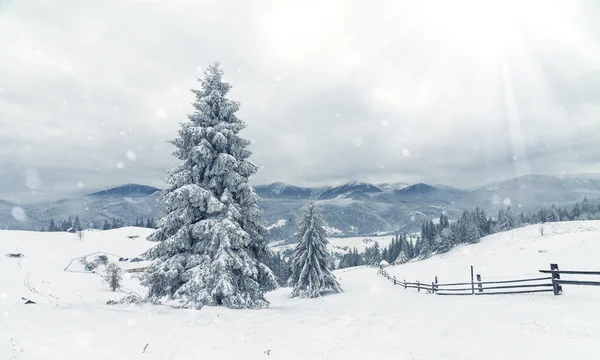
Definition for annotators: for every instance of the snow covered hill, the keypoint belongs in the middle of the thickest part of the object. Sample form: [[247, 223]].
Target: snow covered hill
[[47, 255], [372, 319]]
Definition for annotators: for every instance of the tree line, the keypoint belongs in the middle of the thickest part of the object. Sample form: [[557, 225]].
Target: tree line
[[75, 224]]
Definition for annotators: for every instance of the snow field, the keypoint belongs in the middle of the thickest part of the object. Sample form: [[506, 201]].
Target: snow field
[[371, 319]]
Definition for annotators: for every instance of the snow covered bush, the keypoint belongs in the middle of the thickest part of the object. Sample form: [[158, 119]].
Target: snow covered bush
[[310, 262], [211, 246], [102, 259]]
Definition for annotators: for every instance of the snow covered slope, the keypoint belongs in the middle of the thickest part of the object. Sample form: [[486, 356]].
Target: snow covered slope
[[343, 245], [40, 275], [372, 319], [520, 252]]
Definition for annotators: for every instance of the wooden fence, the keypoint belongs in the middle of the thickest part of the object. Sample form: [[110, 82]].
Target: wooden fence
[[477, 286]]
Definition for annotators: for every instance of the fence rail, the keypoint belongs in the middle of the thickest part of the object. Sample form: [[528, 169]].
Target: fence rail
[[476, 286]]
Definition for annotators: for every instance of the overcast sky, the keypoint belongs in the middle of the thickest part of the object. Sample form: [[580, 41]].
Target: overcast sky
[[457, 92]]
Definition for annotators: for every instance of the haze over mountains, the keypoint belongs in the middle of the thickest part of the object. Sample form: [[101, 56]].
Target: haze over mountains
[[351, 209]]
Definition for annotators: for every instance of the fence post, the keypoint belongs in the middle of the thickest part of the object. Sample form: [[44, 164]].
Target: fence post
[[436, 285], [479, 283], [472, 283], [405, 283], [432, 287], [394, 280], [418, 286], [555, 276]]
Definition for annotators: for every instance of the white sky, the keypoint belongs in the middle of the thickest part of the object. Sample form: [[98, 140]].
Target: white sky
[[457, 92]]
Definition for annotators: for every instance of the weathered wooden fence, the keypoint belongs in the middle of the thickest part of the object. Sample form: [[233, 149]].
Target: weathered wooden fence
[[557, 282], [477, 286]]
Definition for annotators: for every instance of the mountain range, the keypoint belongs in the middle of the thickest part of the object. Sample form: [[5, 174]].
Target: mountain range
[[350, 209]]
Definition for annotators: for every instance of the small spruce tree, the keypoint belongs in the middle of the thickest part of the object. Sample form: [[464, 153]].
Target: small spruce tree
[[309, 264]]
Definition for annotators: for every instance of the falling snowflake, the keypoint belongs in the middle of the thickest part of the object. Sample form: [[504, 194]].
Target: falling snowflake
[[405, 152], [120, 165], [161, 113], [80, 184], [32, 180], [385, 123], [18, 214], [279, 78], [506, 202], [131, 155]]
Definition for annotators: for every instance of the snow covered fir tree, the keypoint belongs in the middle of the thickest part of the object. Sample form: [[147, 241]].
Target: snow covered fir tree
[[309, 263], [211, 246]]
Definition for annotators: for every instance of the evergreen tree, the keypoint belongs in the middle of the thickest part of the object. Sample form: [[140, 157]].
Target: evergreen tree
[[576, 212], [552, 215], [410, 248], [542, 215], [106, 225], [310, 272], [563, 214], [52, 227], [472, 233], [64, 226], [373, 255], [444, 241], [482, 222], [77, 224], [444, 222], [523, 219], [506, 220], [212, 245], [385, 255], [402, 259]]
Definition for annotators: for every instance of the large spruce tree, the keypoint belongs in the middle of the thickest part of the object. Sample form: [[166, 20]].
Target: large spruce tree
[[309, 264], [211, 243]]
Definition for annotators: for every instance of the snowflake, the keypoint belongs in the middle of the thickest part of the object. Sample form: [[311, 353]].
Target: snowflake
[[18, 214], [131, 155]]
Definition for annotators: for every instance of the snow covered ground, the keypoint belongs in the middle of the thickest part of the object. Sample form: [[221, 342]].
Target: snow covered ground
[[343, 245], [372, 319]]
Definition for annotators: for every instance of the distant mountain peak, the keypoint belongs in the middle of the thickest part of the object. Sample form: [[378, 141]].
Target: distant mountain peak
[[392, 186], [127, 190]]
